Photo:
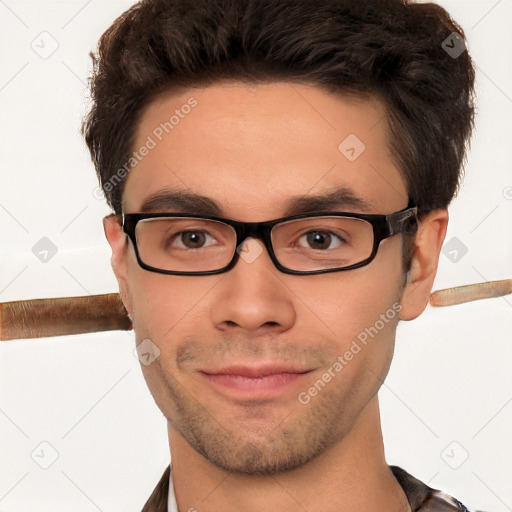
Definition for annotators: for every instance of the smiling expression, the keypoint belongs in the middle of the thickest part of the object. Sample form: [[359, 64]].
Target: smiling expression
[[237, 349]]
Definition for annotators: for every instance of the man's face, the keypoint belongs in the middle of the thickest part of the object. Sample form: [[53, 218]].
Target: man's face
[[251, 149]]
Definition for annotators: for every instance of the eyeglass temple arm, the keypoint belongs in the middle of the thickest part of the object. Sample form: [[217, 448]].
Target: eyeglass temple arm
[[41, 318], [407, 217]]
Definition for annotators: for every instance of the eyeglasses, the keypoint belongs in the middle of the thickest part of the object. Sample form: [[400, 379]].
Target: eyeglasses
[[185, 244]]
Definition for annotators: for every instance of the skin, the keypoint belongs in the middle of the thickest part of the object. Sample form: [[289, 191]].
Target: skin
[[250, 148]]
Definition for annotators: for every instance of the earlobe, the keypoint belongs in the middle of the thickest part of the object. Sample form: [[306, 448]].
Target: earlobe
[[117, 240], [425, 259]]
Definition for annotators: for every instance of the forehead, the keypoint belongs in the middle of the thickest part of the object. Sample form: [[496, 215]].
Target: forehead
[[252, 147]]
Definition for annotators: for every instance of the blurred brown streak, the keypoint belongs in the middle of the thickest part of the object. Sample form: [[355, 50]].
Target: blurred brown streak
[[40, 318]]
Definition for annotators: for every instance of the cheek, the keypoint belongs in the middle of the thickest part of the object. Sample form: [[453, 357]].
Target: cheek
[[163, 303], [347, 303], [358, 311]]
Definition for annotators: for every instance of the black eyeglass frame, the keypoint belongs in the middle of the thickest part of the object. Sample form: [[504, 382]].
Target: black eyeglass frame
[[384, 226]]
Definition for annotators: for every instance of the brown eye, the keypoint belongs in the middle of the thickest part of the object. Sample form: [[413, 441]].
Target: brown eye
[[193, 239], [321, 240]]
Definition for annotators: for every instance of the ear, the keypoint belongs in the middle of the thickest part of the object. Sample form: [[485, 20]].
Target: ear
[[425, 259], [118, 241]]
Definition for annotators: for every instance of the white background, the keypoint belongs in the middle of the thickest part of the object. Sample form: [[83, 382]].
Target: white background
[[449, 392]]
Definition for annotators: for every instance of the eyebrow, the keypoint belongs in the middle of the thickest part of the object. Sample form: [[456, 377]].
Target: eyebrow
[[182, 201]]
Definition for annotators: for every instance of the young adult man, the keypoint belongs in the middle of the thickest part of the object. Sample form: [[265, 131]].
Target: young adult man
[[279, 172]]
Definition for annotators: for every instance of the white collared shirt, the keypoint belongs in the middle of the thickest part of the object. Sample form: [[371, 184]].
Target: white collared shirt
[[172, 506]]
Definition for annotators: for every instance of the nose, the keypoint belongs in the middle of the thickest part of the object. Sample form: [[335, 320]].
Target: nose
[[252, 295]]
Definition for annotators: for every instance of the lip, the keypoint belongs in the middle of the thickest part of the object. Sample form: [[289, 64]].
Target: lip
[[256, 382]]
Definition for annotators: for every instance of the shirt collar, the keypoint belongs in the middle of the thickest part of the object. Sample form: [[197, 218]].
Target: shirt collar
[[172, 506], [419, 495]]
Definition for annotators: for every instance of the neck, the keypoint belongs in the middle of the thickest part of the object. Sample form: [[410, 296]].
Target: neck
[[351, 475]]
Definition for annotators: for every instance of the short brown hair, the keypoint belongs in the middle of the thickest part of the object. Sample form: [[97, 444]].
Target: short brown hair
[[391, 49]]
